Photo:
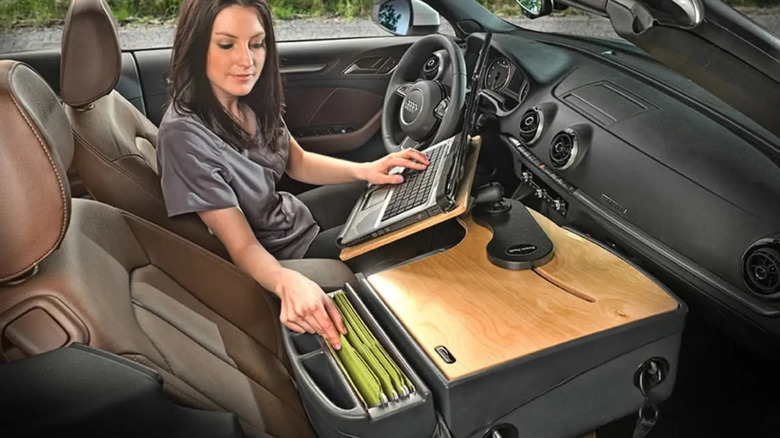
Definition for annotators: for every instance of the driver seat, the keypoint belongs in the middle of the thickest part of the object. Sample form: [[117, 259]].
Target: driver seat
[[115, 143], [76, 270]]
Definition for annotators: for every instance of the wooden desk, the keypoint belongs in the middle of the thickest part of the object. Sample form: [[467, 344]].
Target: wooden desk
[[486, 315]]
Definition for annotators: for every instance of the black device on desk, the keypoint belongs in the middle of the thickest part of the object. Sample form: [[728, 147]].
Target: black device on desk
[[424, 193]]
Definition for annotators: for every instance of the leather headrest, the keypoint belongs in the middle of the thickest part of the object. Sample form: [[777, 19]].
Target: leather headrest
[[36, 148], [91, 59]]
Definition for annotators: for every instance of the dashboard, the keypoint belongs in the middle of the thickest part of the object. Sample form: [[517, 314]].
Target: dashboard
[[615, 145]]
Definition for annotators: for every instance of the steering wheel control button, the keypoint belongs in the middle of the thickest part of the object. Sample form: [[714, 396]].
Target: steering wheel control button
[[432, 68], [403, 89], [441, 108], [408, 143]]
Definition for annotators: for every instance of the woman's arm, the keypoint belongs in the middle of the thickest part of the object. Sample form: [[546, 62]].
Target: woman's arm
[[314, 168], [305, 307]]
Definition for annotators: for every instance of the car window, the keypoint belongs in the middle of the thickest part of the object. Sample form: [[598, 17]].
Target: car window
[[570, 21], [316, 28], [144, 24]]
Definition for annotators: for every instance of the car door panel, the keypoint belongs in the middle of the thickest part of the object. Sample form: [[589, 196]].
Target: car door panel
[[333, 120], [334, 90]]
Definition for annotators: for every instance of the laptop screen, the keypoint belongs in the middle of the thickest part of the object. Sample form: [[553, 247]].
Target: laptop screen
[[472, 100], [470, 116]]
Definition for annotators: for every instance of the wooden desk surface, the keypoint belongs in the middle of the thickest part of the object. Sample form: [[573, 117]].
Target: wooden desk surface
[[464, 190], [486, 315]]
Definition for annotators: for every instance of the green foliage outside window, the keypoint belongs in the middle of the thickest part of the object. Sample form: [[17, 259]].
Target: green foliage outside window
[[15, 13], [387, 17]]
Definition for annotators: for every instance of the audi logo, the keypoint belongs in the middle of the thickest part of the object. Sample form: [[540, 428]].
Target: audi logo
[[410, 106]]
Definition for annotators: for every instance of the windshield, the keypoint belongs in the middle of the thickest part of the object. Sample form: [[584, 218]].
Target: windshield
[[571, 21], [144, 24]]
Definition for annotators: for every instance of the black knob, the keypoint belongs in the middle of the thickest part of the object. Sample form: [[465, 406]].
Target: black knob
[[491, 196]]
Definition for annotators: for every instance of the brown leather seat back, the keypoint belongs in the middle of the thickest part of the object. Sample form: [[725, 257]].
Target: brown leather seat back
[[115, 143], [82, 271], [34, 193]]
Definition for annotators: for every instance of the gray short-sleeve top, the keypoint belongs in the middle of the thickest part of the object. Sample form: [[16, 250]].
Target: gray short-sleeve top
[[200, 172]]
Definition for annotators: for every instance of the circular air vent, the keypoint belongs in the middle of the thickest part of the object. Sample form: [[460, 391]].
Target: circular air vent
[[430, 69], [564, 148], [531, 125], [761, 268]]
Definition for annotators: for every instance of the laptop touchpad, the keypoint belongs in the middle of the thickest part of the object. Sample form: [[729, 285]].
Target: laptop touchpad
[[376, 197]]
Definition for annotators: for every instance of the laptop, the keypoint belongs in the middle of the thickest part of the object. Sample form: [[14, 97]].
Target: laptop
[[384, 208]]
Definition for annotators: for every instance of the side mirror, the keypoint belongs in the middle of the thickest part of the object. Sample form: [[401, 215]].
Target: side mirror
[[405, 17], [535, 8]]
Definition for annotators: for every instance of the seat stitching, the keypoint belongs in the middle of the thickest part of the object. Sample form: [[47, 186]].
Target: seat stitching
[[150, 310], [192, 399], [59, 181], [222, 360], [112, 163], [172, 387], [263, 432], [202, 251], [167, 365]]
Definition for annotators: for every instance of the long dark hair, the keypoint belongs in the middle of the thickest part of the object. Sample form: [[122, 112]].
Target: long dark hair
[[190, 89]]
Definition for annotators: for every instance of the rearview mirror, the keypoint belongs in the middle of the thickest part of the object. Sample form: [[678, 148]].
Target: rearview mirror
[[405, 17]]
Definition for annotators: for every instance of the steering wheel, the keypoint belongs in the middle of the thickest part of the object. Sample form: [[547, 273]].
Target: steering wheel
[[421, 111]]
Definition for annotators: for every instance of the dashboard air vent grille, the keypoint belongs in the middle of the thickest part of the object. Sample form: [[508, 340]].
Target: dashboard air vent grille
[[431, 68], [761, 270], [531, 125], [563, 150]]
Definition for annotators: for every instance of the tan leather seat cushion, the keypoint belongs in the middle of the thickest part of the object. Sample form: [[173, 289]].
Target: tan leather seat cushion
[[155, 298]]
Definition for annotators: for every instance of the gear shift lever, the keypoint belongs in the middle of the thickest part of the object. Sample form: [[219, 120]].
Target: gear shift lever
[[491, 197]]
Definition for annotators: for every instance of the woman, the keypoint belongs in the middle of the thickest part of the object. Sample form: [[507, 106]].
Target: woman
[[223, 147]]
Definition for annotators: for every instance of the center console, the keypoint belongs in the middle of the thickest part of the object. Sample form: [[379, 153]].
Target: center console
[[551, 347]]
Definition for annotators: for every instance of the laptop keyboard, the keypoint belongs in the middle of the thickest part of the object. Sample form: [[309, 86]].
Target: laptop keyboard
[[416, 188]]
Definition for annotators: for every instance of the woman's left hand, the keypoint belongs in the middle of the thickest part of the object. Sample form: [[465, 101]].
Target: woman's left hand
[[378, 172]]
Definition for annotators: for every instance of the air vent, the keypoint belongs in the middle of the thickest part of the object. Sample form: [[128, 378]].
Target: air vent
[[563, 149], [430, 69], [531, 125], [761, 268]]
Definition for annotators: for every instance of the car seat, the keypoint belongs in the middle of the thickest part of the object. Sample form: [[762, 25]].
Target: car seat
[[115, 144], [77, 270]]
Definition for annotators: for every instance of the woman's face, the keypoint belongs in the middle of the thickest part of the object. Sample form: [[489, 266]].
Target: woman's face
[[236, 53]]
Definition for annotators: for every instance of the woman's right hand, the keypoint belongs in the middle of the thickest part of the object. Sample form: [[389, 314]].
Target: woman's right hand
[[306, 308]]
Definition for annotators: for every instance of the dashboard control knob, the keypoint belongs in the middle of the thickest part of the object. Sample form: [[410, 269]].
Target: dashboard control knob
[[559, 204], [526, 177], [540, 193]]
